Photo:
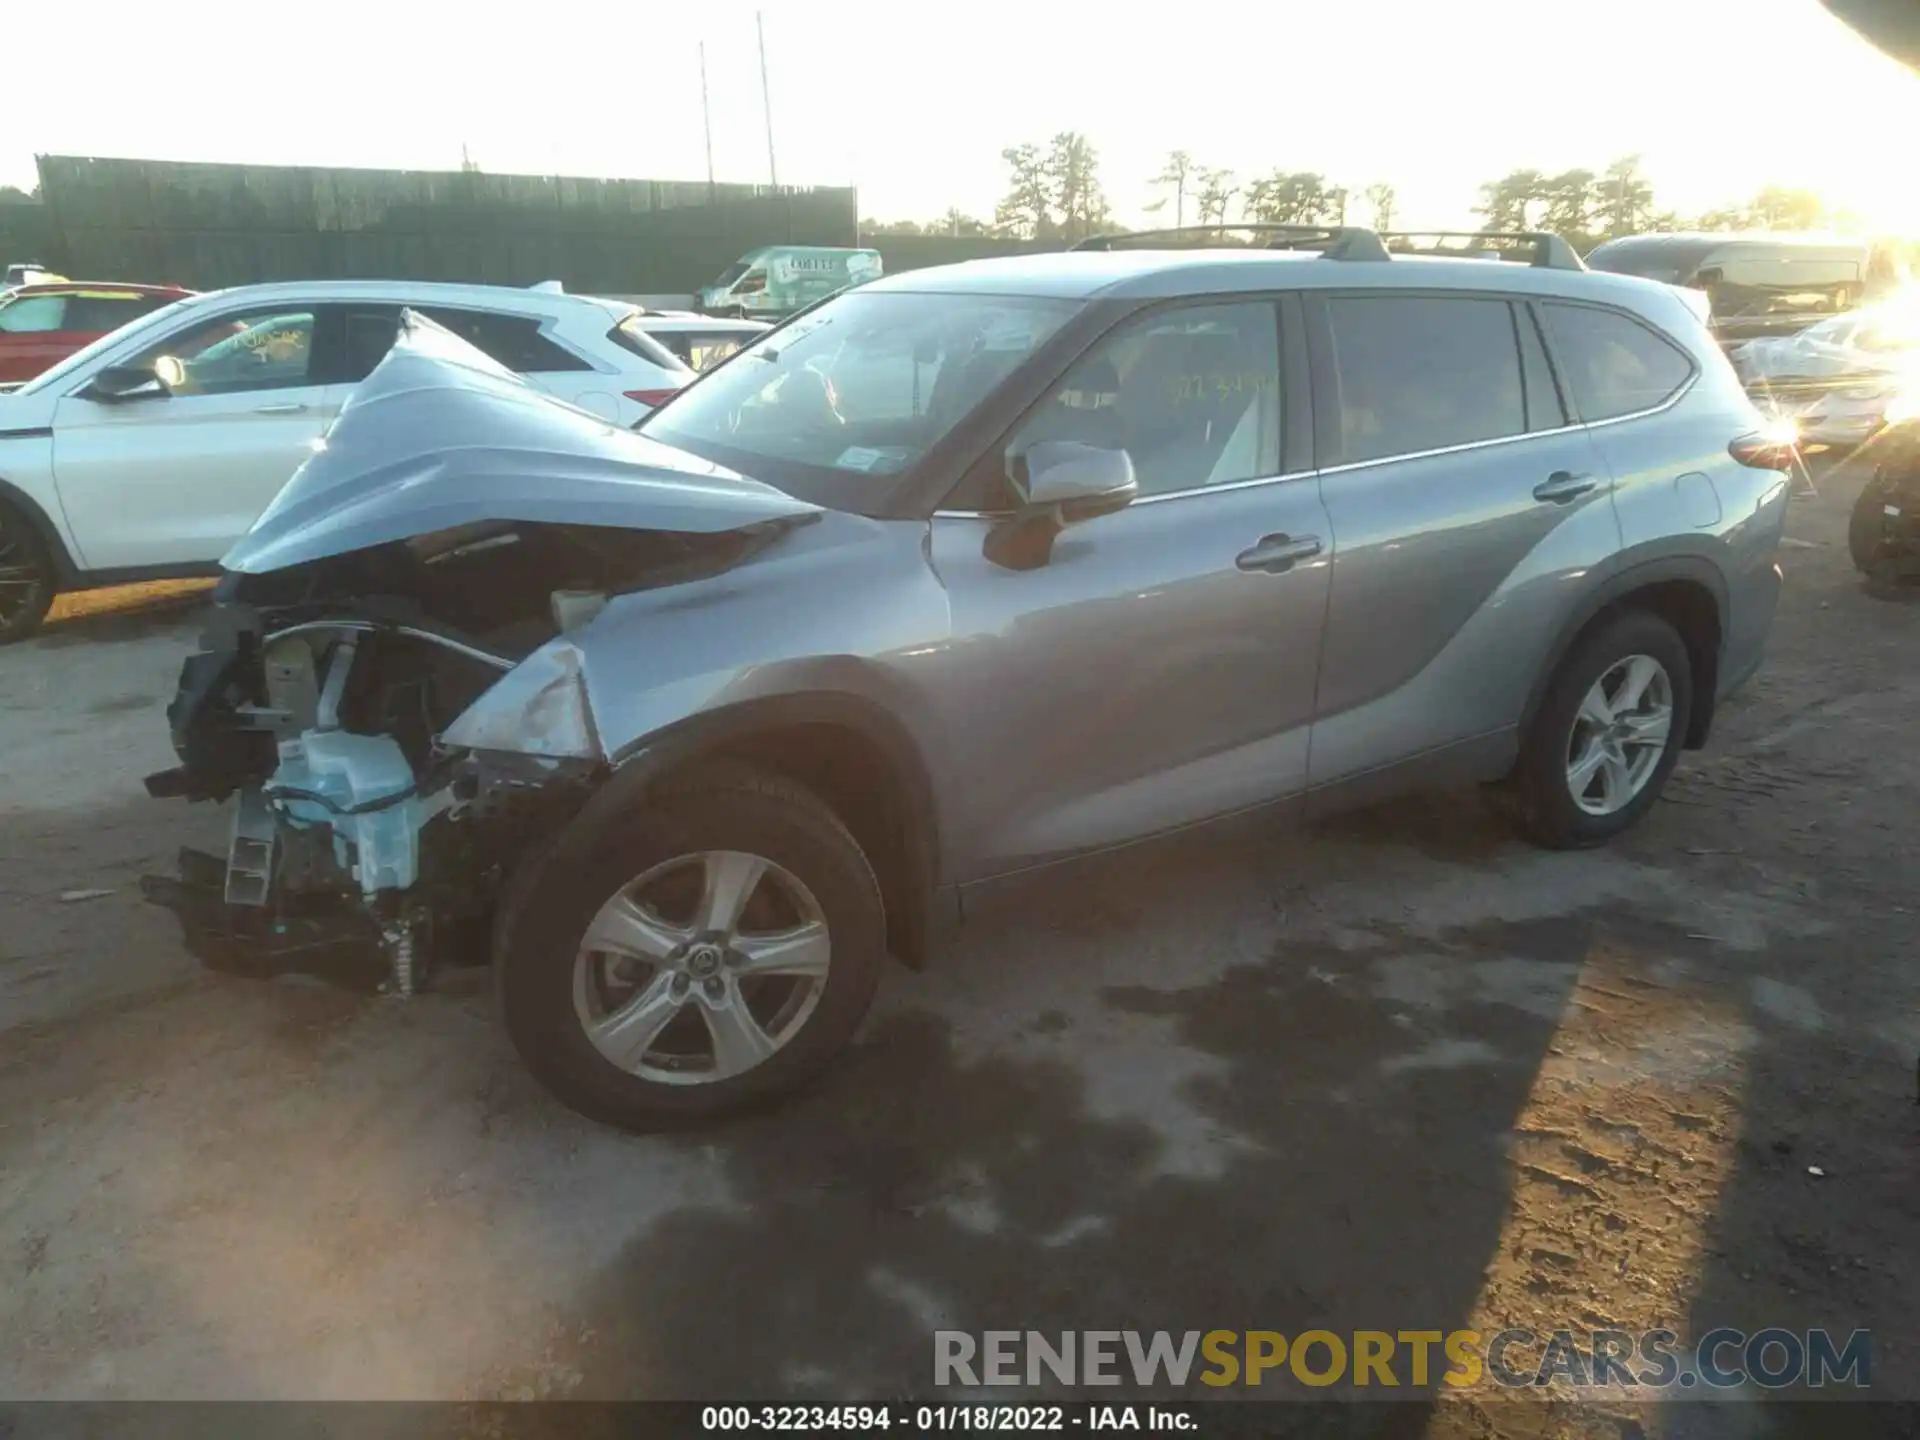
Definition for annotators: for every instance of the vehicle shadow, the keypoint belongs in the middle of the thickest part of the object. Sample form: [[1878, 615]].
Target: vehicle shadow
[[1318, 1138]]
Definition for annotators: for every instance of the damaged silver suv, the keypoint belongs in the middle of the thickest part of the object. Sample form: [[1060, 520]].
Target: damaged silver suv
[[961, 574]]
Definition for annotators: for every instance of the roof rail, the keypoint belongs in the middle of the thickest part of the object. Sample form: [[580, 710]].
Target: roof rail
[[1540, 248], [1334, 242]]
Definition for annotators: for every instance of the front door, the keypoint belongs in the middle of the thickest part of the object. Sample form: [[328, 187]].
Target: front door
[[177, 477], [1464, 501], [1159, 668]]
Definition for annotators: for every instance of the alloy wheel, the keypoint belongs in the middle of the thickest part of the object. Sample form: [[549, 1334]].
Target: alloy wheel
[[1620, 732], [700, 969]]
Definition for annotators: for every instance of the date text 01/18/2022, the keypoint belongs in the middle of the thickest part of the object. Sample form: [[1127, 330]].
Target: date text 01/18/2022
[[936, 1419]]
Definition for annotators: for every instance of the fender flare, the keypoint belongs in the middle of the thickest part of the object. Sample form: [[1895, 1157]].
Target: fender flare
[[35, 514], [637, 767], [1691, 569]]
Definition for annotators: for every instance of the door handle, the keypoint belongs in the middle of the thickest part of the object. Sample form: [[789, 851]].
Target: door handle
[[291, 408], [1276, 553], [1562, 486]]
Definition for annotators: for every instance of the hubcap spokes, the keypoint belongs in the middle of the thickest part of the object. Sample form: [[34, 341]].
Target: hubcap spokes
[[1620, 732], [701, 968]]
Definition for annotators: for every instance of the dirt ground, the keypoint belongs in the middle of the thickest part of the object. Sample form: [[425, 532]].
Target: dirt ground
[[1402, 1073]]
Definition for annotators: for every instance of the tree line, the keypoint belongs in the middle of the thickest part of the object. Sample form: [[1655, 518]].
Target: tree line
[[1054, 192]]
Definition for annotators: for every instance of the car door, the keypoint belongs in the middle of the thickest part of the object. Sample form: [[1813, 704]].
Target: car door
[[1463, 502], [1159, 668], [176, 474]]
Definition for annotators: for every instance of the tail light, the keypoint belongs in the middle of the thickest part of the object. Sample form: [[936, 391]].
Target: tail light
[[1774, 447], [652, 398]]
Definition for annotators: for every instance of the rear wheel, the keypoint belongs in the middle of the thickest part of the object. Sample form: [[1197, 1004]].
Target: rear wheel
[[26, 577], [1607, 735], [708, 953]]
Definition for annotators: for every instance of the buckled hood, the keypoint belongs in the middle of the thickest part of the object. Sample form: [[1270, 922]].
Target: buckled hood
[[439, 435]]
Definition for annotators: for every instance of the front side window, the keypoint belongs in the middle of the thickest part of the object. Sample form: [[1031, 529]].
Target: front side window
[[1192, 395], [33, 315], [1615, 366], [1422, 372], [268, 350], [835, 405]]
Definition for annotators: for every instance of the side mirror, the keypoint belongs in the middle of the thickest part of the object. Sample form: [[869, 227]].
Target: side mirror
[[1708, 277], [118, 383], [1059, 483], [1082, 481]]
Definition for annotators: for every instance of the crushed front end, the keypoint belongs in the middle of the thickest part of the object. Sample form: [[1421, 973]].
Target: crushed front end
[[362, 843], [390, 689]]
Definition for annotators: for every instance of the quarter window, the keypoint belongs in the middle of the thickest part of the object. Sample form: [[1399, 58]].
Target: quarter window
[[1422, 372], [1614, 366], [1192, 395]]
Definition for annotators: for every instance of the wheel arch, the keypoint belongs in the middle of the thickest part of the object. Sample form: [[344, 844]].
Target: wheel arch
[[1690, 593], [852, 753], [12, 497]]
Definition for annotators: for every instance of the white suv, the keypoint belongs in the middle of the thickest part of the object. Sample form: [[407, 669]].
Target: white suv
[[147, 454]]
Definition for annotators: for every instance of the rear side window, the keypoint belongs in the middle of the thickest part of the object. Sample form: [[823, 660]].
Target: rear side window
[[1614, 366], [514, 341], [34, 315], [1422, 372]]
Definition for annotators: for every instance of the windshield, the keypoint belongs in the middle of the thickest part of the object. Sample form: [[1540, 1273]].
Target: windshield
[[732, 273], [82, 358], [834, 406]]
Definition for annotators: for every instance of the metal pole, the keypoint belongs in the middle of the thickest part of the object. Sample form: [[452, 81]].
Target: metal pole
[[706, 113], [766, 96]]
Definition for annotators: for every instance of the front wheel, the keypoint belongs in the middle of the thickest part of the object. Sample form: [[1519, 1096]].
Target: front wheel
[[26, 577], [709, 952], [1607, 735]]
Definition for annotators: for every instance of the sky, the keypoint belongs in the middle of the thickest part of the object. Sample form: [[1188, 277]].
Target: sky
[[913, 103]]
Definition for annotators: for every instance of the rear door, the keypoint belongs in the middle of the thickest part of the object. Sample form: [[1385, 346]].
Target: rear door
[[177, 477], [1462, 498]]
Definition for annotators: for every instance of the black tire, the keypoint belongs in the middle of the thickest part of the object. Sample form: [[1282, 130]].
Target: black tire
[[1543, 802], [1867, 529], [27, 582], [718, 807]]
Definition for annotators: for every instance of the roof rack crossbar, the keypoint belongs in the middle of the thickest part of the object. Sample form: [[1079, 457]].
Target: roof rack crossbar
[[1543, 249], [1335, 242], [1548, 251]]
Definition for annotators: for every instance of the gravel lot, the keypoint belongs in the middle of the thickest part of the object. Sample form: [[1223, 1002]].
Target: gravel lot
[[1402, 1073]]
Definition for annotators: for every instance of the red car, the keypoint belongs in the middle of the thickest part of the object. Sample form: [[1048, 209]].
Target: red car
[[40, 324]]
